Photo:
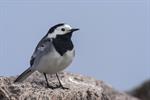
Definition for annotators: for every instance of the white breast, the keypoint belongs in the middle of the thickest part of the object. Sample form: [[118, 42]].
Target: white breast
[[53, 62]]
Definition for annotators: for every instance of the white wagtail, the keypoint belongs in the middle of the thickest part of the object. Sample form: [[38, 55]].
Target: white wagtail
[[53, 53]]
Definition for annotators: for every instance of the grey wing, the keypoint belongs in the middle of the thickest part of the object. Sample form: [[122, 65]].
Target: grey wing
[[42, 48]]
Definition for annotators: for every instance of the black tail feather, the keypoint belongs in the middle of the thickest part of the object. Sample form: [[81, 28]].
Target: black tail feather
[[24, 75]]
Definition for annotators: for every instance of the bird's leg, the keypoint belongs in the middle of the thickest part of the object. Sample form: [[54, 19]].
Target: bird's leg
[[47, 81], [60, 84]]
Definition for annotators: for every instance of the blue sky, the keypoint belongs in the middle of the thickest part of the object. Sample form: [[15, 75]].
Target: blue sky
[[113, 43]]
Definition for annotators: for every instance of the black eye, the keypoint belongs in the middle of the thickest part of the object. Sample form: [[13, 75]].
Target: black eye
[[62, 29]]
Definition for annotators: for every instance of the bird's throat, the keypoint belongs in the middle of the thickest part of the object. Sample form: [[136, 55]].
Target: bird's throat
[[63, 43]]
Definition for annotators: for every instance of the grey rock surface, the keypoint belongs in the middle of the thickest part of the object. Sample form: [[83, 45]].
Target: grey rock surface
[[80, 88]]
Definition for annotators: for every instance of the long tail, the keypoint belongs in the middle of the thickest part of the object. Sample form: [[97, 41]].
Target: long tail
[[24, 75]]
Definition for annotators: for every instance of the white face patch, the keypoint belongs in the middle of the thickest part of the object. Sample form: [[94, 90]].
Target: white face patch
[[51, 35], [60, 31], [68, 26]]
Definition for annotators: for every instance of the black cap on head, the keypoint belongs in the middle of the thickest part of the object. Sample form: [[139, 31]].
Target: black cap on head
[[54, 27]]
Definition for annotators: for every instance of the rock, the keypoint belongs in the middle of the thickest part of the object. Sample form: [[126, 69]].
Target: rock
[[142, 91], [80, 88]]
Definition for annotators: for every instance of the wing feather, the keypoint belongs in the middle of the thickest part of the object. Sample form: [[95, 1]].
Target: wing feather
[[45, 43]]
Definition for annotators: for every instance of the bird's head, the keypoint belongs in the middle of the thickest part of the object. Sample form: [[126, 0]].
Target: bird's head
[[61, 30]]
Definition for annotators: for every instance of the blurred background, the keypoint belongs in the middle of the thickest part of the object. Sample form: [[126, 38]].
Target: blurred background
[[113, 43]]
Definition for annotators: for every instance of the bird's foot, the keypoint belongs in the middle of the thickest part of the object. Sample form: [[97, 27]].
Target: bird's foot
[[57, 86], [48, 86], [61, 86]]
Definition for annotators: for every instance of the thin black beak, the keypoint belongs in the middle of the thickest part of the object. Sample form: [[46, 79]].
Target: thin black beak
[[74, 29]]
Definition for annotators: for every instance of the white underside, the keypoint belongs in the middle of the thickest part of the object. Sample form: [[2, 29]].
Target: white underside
[[53, 62]]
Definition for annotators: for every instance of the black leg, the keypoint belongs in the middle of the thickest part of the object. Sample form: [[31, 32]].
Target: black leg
[[60, 84], [47, 81]]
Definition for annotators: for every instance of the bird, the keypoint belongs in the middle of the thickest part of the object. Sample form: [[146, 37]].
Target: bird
[[54, 52]]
